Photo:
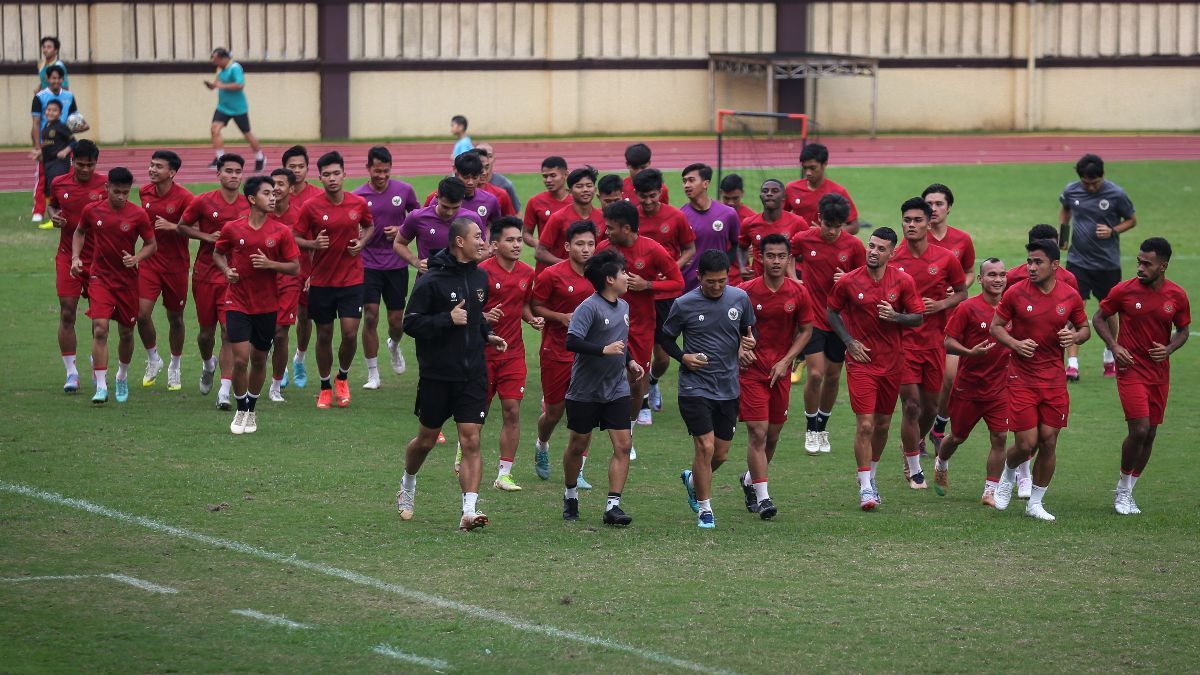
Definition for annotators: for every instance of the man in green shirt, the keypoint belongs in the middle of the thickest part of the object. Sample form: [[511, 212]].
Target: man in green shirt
[[230, 84]]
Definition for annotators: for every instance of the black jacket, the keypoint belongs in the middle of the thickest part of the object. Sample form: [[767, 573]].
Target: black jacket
[[446, 351]]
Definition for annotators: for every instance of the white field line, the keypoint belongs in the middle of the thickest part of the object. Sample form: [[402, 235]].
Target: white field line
[[270, 618], [132, 581], [433, 664], [429, 599]]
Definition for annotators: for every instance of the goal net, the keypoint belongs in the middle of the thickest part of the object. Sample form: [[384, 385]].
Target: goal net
[[756, 145]]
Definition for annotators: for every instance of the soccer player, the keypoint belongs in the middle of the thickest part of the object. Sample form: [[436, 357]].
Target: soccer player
[[445, 319], [385, 273], [610, 189], [732, 189], [295, 159], [715, 225], [430, 226], [758, 226], [462, 142], [113, 226], [541, 206], [637, 158], [784, 315], [499, 186], [598, 395], [50, 47], [715, 321], [70, 194], [166, 273], [869, 308], [54, 91], [803, 196], [1092, 215], [468, 168], [1045, 318], [57, 141], [230, 85], [290, 287], [941, 285], [335, 227], [979, 384], [1146, 307], [557, 291], [203, 220], [510, 285], [581, 183], [250, 252], [1021, 272], [823, 254]]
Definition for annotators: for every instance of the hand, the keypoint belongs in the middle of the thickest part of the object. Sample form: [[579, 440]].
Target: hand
[[931, 306], [209, 238], [59, 219], [637, 283], [858, 351], [693, 362], [981, 348], [210, 85], [1104, 232], [537, 323], [746, 357], [35, 154], [165, 225], [781, 369], [390, 232], [493, 315], [747, 342], [838, 274], [128, 259], [1066, 337], [62, 154], [322, 240], [1026, 348], [614, 348], [1158, 353], [307, 284], [259, 260], [638, 371], [1124, 357], [76, 266], [354, 246], [458, 315], [886, 311], [747, 273], [498, 342], [423, 265], [231, 275], [566, 320]]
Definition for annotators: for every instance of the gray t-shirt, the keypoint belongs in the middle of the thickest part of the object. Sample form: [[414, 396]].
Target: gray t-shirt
[[599, 379], [713, 328], [1110, 205]]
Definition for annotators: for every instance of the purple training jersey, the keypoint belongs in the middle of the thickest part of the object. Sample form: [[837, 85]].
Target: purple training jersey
[[431, 233], [388, 209], [717, 228]]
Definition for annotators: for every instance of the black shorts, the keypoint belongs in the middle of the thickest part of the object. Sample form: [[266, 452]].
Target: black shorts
[[707, 416], [389, 285], [326, 303], [242, 121], [1094, 282], [661, 309], [826, 342], [439, 400], [257, 329], [583, 416]]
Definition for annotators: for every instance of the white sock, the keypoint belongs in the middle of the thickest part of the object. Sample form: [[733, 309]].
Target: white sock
[[705, 505], [1133, 481], [469, 499], [1038, 493], [760, 491], [276, 383], [542, 445], [220, 153], [152, 354], [941, 464], [1025, 469], [1123, 482], [571, 493], [613, 500], [409, 482], [1108, 356], [226, 386], [989, 486], [298, 357], [874, 465], [864, 480], [373, 365], [69, 364], [176, 362], [101, 379], [1072, 362], [122, 371], [582, 463], [914, 464], [505, 467], [1010, 474], [746, 479], [211, 364], [260, 155]]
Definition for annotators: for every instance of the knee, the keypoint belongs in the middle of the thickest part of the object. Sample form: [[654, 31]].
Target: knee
[[865, 428], [756, 437], [66, 316], [175, 319], [100, 332], [1139, 430]]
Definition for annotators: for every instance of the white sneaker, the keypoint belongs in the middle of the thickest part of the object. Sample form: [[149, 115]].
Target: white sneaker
[[1003, 493], [174, 379], [1121, 503], [224, 402], [404, 502], [276, 396], [153, 368], [1133, 507], [645, 417], [238, 426], [1039, 512], [812, 442], [251, 423], [372, 381], [1024, 487], [632, 453], [398, 365], [206, 380], [824, 438], [37, 218]]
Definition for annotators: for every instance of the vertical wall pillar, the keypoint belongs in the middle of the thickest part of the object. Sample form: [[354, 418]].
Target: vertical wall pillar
[[333, 52], [791, 35]]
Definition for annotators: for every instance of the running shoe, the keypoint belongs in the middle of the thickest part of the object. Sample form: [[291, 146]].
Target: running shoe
[[645, 417], [581, 483], [686, 477], [72, 384], [153, 368], [101, 396], [206, 380], [706, 521], [941, 481], [766, 509], [1038, 511], [812, 442], [122, 391], [251, 424], [506, 483], [570, 508], [615, 516], [238, 425], [224, 402], [472, 521], [541, 462], [398, 365], [174, 379], [300, 373], [655, 398], [341, 392], [404, 502], [325, 399]]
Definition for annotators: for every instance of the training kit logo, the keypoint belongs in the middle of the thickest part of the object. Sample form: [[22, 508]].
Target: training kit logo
[[241, 242], [215, 215], [1029, 308], [396, 201], [479, 294], [718, 226], [641, 264], [891, 297], [665, 228], [842, 257], [1137, 305], [627, 320], [482, 210], [99, 223], [170, 210], [933, 269], [270, 243], [734, 314], [787, 308], [758, 307], [1104, 205], [1169, 308], [354, 215], [1061, 310], [124, 227], [497, 285], [523, 284]]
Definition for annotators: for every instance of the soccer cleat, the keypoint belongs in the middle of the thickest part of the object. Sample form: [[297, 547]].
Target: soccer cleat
[[632, 453], [812, 442], [1038, 511], [941, 481], [581, 483], [615, 516], [101, 396], [988, 499], [686, 477], [645, 417], [153, 368], [875, 491], [570, 508], [341, 389], [1121, 503], [751, 497], [372, 382], [825, 447], [72, 384], [276, 396], [441, 437], [223, 401], [1072, 374], [655, 398], [797, 375], [867, 500], [283, 383], [1003, 494], [213, 164], [936, 437], [458, 460], [398, 365], [174, 379], [1024, 487], [917, 481], [506, 483], [325, 399], [1110, 369], [1133, 507], [472, 521], [251, 425], [259, 163], [541, 463], [706, 521], [206, 380], [122, 391], [766, 509], [404, 502], [300, 376], [238, 425]]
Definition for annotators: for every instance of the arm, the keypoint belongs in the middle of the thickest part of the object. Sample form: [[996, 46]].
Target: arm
[[783, 367], [953, 346], [857, 350], [191, 231], [527, 235], [1162, 352], [544, 256], [670, 345], [34, 133], [364, 235], [148, 249], [581, 346], [76, 248], [1023, 348], [908, 320], [401, 247], [1064, 227], [685, 255], [673, 283], [950, 302], [421, 321], [538, 309], [1100, 322]]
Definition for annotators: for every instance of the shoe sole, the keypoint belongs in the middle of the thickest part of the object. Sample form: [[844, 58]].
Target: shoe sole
[[868, 506], [477, 522], [406, 515], [769, 513], [504, 488], [618, 523], [918, 486]]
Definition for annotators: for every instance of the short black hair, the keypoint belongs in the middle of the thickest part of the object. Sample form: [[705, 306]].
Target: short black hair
[[939, 189], [1158, 246], [52, 40], [119, 175], [221, 52], [330, 158], [622, 212], [295, 151], [554, 162], [452, 189], [773, 238], [1043, 231], [54, 101], [834, 208], [580, 227], [609, 184], [230, 157], [916, 204], [1090, 166], [254, 184], [990, 261], [1047, 246], [459, 120], [86, 149], [586, 171], [605, 264], [468, 164], [56, 69], [712, 260], [170, 157], [502, 224], [378, 153], [290, 175], [815, 151], [648, 180], [459, 227], [885, 233], [637, 154], [704, 169], [731, 183]]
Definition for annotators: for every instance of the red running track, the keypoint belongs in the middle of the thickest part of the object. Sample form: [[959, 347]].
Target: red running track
[[423, 158]]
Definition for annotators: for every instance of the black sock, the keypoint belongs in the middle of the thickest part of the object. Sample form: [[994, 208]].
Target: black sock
[[822, 420], [653, 380], [646, 402], [243, 403], [939, 424], [811, 420], [326, 384], [342, 374], [251, 400]]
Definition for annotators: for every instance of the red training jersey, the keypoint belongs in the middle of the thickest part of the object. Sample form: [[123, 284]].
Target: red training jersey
[[114, 232], [630, 195], [649, 260], [957, 242], [671, 230], [207, 213], [802, 199], [1039, 316], [1021, 273], [756, 227], [1146, 317], [980, 378], [933, 272], [511, 291], [540, 207], [818, 260], [307, 194], [334, 266], [71, 197], [172, 254], [559, 289], [855, 297], [779, 314], [255, 291], [554, 232]]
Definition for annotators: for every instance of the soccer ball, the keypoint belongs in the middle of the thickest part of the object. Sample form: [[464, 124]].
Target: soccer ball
[[75, 122]]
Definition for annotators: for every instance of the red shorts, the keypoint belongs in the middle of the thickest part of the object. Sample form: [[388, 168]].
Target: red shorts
[[210, 302], [760, 401], [965, 414], [172, 285], [1140, 399], [641, 348], [1029, 407], [507, 378], [66, 285], [119, 304], [872, 394], [556, 378], [924, 367], [289, 305]]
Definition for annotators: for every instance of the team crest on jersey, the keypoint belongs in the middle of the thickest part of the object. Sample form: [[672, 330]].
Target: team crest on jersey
[[95, 196], [787, 308], [270, 243], [664, 228], [842, 257], [354, 215], [627, 320], [891, 297], [523, 284], [1169, 308], [1061, 310], [482, 210], [734, 314], [170, 210], [933, 269], [1104, 204], [124, 227], [396, 201], [718, 226], [641, 264], [479, 294]]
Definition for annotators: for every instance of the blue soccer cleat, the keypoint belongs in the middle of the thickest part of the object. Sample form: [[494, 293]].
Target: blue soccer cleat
[[541, 462], [706, 521], [581, 483], [284, 382], [72, 384], [122, 391], [300, 377], [101, 396], [686, 477]]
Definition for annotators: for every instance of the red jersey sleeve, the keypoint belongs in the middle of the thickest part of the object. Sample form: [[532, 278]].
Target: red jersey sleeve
[[837, 295], [368, 220], [1004, 310], [1077, 314], [144, 228], [530, 218], [968, 255], [954, 271], [957, 322], [431, 198], [909, 300], [858, 255], [224, 241], [795, 243], [1183, 316], [542, 286], [683, 230], [804, 303], [288, 250], [191, 214], [303, 223], [1111, 304], [667, 267]]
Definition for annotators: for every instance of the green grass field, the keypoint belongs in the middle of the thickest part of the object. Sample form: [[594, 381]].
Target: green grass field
[[299, 519]]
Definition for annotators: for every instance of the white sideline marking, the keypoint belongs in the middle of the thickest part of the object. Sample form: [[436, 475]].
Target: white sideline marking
[[434, 664], [132, 581], [270, 618], [361, 579]]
